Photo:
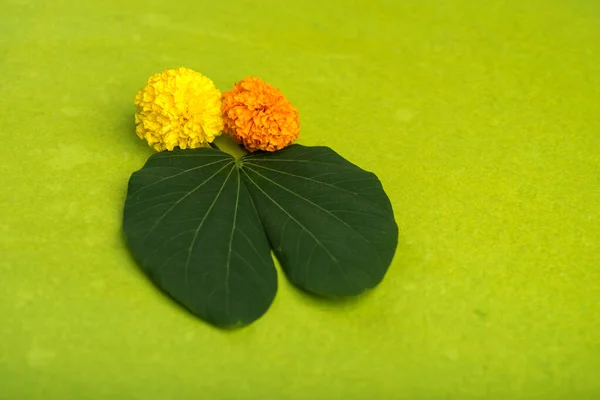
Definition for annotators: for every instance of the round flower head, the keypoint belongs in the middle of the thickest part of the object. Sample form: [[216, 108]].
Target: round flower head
[[259, 116], [178, 107]]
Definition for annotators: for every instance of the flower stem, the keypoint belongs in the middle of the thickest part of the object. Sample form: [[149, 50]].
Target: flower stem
[[227, 144]]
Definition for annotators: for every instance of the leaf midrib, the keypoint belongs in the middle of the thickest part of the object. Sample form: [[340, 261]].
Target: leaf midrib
[[200, 225], [228, 265]]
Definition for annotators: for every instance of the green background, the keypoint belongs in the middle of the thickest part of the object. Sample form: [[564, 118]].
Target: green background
[[482, 120]]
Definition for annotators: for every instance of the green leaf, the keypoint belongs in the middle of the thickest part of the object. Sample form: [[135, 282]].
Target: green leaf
[[190, 222], [201, 225], [329, 222]]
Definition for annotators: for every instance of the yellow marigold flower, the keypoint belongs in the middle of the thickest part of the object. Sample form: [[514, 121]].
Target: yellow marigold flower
[[178, 107], [259, 116]]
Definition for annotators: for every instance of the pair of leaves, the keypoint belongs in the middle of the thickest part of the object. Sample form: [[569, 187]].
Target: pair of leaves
[[202, 225]]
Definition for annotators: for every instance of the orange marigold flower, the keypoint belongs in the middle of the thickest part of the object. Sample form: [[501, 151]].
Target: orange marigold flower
[[259, 116]]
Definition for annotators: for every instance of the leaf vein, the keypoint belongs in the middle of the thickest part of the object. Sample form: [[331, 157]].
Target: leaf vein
[[200, 225], [290, 216], [179, 201], [322, 209], [314, 180], [176, 175]]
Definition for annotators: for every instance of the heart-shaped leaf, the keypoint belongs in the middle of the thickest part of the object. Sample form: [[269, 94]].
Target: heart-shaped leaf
[[201, 225], [190, 222]]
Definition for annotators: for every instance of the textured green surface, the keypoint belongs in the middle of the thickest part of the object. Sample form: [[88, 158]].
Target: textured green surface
[[482, 119]]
